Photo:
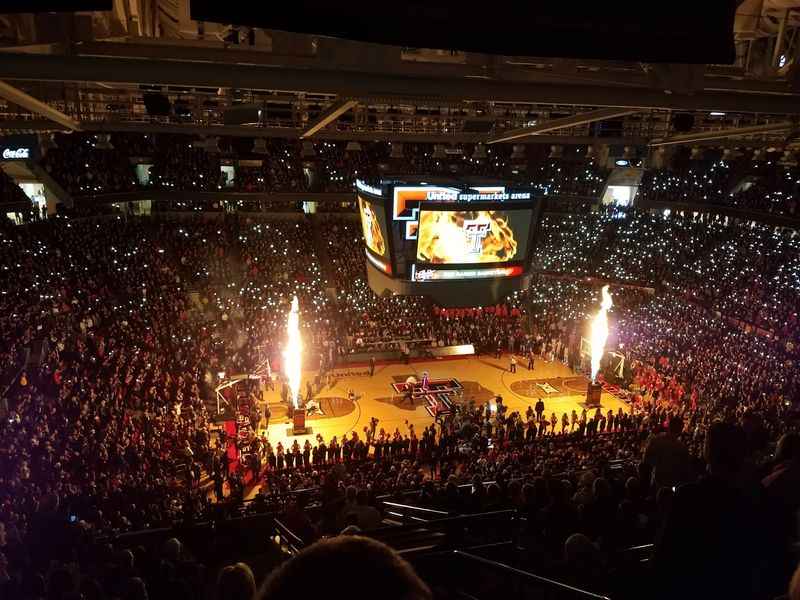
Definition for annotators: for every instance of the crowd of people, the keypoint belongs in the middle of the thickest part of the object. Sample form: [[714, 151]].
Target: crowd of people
[[115, 330], [742, 270], [85, 166], [766, 185]]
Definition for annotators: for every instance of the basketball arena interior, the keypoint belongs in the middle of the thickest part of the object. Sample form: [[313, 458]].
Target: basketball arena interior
[[417, 301]]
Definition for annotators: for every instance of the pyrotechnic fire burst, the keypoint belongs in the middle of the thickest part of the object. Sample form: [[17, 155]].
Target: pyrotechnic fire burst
[[599, 332], [292, 352]]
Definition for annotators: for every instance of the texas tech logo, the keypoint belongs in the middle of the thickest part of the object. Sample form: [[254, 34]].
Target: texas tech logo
[[475, 232]]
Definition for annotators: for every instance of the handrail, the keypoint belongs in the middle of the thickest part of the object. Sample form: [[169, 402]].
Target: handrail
[[409, 512], [640, 547], [295, 543], [419, 508], [525, 574], [642, 553], [452, 520]]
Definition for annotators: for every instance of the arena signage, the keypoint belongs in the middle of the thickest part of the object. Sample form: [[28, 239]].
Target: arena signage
[[19, 147], [494, 196], [427, 274], [478, 196], [369, 189], [16, 154]]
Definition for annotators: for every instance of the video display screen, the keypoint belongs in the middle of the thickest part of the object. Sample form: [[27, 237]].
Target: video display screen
[[456, 237], [373, 226]]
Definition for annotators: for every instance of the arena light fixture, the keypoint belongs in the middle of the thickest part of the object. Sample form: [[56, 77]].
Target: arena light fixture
[[260, 146], [731, 154], [104, 142], [307, 150], [212, 145], [789, 159], [629, 153], [48, 142]]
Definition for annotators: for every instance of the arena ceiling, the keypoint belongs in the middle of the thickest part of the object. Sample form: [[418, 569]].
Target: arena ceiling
[[149, 66]]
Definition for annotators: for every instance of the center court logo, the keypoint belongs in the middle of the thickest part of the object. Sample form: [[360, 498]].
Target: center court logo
[[475, 232]]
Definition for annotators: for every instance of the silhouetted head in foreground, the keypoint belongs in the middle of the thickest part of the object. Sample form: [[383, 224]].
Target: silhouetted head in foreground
[[361, 565]]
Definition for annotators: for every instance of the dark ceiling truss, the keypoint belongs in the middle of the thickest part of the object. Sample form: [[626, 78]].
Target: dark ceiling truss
[[98, 86]]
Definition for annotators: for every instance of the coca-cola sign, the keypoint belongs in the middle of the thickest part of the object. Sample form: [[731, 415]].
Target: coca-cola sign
[[16, 153]]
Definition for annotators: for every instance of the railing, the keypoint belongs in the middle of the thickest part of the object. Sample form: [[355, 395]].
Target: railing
[[287, 538], [640, 554], [485, 578], [408, 513]]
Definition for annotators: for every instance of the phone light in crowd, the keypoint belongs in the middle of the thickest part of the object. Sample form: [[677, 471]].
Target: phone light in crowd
[[599, 332], [291, 354]]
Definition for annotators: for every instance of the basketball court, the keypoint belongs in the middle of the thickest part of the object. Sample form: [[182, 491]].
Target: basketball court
[[454, 381]]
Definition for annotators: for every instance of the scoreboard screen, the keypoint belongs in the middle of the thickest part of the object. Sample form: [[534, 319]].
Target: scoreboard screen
[[450, 240], [465, 237], [376, 234]]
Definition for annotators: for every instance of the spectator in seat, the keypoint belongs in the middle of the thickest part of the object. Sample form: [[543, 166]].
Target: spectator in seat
[[782, 491], [378, 569], [667, 456], [712, 541], [298, 521], [366, 517], [794, 585], [783, 483], [583, 564], [559, 518], [236, 582]]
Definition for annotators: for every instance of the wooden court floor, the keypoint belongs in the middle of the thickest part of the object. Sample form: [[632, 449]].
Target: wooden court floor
[[482, 378]]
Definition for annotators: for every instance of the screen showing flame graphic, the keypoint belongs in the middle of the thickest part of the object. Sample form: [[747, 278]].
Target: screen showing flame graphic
[[465, 237], [371, 227]]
